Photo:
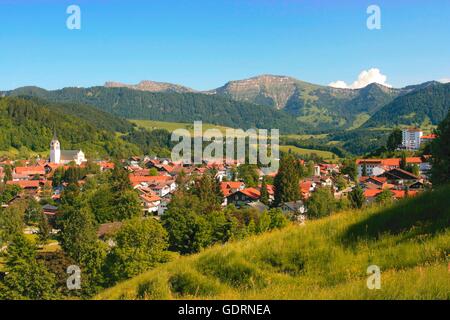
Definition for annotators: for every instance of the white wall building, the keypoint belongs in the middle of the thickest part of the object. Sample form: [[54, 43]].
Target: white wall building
[[411, 138], [59, 156]]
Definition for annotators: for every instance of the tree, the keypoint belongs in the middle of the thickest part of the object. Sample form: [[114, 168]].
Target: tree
[[264, 198], [385, 197], [264, 221], [153, 172], [350, 168], [78, 239], [414, 169], [33, 212], [26, 278], [341, 183], [8, 192], [208, 192], [357, 198], [249, 174], [78, 230], [321, 203], [44, 228], [277, 219], [188, 231], [440, 173], [287, 180], [126, 205], [403, 161], [140, 245], [7, 173], [58, 177], [12, 222], [120, 180], [394, 140]]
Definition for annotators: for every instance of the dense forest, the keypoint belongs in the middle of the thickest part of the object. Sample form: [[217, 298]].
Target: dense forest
[[178, 107], [28, 125], [429, 104]]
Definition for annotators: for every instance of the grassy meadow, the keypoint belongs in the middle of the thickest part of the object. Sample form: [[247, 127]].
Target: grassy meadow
[[323, 259], [171, 126], [327, 155]]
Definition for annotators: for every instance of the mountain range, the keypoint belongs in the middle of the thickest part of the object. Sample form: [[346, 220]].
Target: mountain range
[[317, 106], [266, 101]]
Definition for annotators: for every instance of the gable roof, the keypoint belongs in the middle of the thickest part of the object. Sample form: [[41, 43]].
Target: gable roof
[[251, 192], [26, 184], [32, 170], [398, 174], [67, 155]]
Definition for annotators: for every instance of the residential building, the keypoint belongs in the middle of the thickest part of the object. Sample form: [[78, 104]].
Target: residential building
[[411, 138]]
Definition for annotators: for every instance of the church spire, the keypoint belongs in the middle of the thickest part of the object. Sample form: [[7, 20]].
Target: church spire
[[55, 137]]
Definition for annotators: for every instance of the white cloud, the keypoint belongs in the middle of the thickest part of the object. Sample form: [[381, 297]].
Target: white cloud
[[445, 80], [365, 78]]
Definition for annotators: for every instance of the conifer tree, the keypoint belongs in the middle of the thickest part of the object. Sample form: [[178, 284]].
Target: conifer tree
[[357, 197], [287, 180], [264, 192]]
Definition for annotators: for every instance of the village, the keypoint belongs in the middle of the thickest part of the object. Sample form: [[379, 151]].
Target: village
[[156, 179]]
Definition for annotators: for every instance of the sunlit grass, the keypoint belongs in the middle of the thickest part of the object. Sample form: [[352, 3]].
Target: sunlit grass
[[303, 151], [325, 259]]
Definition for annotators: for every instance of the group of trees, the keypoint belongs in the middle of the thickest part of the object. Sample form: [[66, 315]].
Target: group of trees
[[441, 154], [28, 125], [171, 106], [195, 220], [139, 244]]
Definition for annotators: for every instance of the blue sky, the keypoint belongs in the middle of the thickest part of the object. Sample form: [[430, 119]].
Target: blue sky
[[205, 43]]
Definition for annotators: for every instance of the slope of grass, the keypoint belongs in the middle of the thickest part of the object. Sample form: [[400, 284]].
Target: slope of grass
[[171, 126], [325, 259], [302, 151]]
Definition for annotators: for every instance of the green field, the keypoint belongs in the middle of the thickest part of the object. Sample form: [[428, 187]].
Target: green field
[[324, 259], [301, 151], [171, 126], [306, 136]]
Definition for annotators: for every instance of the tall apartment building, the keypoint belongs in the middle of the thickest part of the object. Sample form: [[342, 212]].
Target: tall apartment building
[[411, 138]]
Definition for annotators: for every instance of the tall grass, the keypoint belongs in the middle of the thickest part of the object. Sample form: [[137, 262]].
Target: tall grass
[[325, 259]]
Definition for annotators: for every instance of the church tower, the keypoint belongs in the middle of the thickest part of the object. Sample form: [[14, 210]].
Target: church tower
[[55, 150]]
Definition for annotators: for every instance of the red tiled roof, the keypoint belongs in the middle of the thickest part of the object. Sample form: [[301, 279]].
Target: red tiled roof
[[25, 183], [429, 136], [414, 160], [150, 197], [399, 194], [370, 193], [378, 179], [30, 170], [148, 179], [252, 193], [305, 186], [230, 186], [393, 162]]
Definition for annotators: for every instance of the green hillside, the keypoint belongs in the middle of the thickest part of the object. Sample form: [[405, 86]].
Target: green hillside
[[319, 106], [422, 107], [29, 125], [173, 107], [302, 151], [324, 259], [171, 126]]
